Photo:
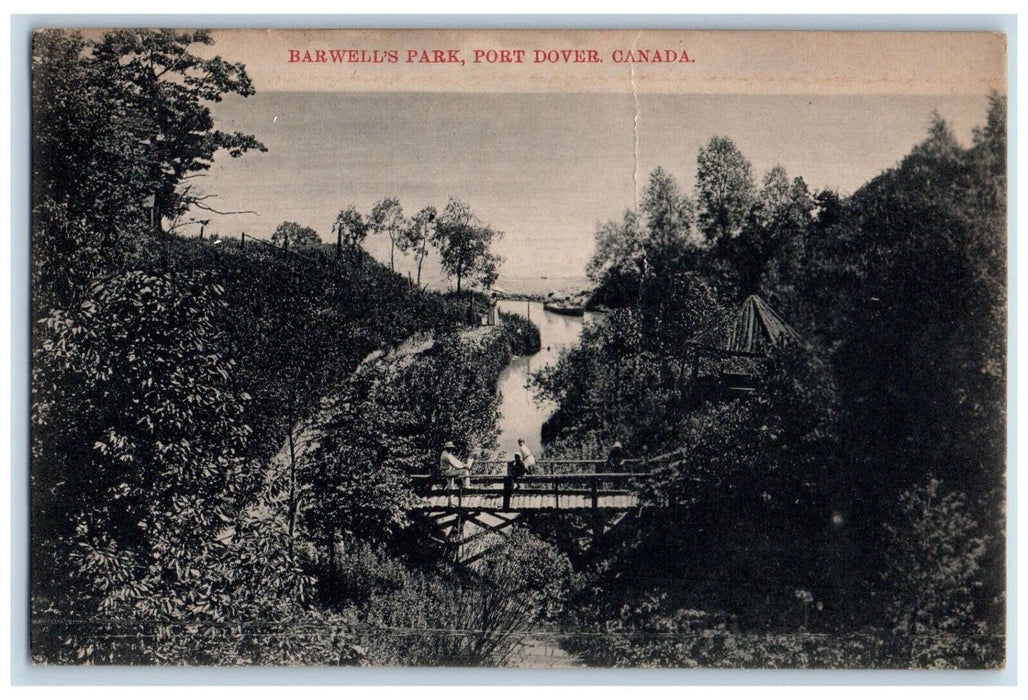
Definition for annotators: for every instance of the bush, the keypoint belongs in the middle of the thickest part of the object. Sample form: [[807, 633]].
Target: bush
[[521, 333], [934, 563]]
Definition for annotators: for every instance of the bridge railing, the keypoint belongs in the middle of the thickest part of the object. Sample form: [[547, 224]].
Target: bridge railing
[[634, 465], [558, 477], [592, 484]]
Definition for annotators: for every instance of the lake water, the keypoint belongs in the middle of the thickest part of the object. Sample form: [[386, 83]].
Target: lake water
[[521, 414]]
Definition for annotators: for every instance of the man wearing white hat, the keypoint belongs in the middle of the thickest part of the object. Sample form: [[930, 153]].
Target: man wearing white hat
[[450, 466]]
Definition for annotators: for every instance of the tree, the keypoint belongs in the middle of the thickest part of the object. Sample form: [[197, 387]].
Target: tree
[[85, 157], [724, 189], [463, 243], [291, 234], [773, 198], [618, 261], [119, 386], [934, 564], [295, 354], [387, 217], [165, 90], [351, 228], [88, 173], [120, 125], [129, 498], [644, 244], [417, 234], [990, 140], [679, 309], [770, 245], [669, 213]]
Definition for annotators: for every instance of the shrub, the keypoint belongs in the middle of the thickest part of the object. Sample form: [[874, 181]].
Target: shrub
[[521, 333]]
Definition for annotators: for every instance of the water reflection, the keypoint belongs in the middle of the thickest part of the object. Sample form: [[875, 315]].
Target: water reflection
[[521, 416]]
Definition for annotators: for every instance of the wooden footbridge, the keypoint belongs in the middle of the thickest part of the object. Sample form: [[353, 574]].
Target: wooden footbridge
[[551, 492], [473, 520]]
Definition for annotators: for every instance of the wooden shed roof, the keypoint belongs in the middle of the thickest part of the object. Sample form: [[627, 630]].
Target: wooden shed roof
[[758, 328]]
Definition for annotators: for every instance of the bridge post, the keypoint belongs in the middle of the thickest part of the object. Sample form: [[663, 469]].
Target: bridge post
[[597, 526], [458, 527], [595, 492]]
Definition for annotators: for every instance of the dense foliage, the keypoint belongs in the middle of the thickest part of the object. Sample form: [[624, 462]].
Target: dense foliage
[[290, 234], [446, 617], [522, 334], [178, 503], [464, 244], [224, 433], [858, 488]]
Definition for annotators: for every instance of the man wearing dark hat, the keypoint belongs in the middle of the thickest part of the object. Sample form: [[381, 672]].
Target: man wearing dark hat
[[451, 467]]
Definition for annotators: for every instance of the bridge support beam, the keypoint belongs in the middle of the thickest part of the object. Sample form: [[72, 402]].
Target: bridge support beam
[[599, 525]]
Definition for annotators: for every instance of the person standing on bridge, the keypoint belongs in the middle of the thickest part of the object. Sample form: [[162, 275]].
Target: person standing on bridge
[[616, 458], [526, 456], [451, 467], [515, 470]]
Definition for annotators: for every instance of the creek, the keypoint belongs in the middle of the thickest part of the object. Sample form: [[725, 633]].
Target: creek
[[521, 414]]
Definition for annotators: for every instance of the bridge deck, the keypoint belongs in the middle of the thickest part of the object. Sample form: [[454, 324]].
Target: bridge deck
[[471, 518], [537, 492], [531, 501]]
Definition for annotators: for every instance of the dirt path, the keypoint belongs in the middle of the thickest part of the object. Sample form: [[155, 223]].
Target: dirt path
[[542, 650]]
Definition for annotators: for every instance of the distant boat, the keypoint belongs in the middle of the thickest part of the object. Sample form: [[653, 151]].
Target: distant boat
[[563, 308]]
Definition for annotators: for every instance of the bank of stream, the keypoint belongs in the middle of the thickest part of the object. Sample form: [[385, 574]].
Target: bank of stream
[[521, 414]]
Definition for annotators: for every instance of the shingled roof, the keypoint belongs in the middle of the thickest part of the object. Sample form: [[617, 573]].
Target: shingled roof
[[758, 328]]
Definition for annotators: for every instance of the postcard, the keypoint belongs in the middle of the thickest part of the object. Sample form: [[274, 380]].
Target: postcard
[[518, 348]]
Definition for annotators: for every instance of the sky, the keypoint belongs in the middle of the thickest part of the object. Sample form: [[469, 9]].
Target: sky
[[542, 168], [546, 151]]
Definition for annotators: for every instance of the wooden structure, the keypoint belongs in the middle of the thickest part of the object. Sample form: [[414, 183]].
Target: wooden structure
[[549, 492], [756, 331], [473, 521]]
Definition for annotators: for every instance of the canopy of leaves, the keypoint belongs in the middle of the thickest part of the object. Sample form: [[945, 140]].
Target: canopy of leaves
[[351, 228], [934, 562], [290, 234], [387, 217], [724, 189], [464, 245], [166, 89], [899, 293], [121, 127]]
